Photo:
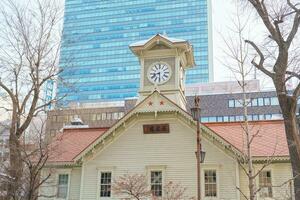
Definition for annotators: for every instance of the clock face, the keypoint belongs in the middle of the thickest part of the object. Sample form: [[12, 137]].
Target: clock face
[[159, 73]]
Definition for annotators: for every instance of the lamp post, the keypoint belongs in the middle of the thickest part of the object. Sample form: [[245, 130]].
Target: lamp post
[[200, 155]]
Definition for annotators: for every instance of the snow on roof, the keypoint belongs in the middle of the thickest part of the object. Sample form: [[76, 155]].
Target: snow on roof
[[143, 42]]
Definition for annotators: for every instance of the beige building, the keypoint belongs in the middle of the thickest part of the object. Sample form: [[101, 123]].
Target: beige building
[[157, 138]]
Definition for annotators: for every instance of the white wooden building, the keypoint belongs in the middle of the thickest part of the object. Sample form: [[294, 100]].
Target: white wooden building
[[158, 138]]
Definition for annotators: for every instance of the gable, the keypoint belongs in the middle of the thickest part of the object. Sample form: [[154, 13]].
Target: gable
[[134, 149], [152, 106], [159, 46], [156, 106]]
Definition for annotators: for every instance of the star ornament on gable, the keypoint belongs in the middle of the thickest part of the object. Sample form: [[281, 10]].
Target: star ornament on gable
[[161, 103], [150, 103]]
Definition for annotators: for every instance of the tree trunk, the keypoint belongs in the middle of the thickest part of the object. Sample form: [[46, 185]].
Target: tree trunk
[[293, 139], [15, 170], [290, 127]]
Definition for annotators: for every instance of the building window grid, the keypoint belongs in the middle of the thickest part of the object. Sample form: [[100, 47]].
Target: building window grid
[[76, 15], [210, 183], [156, 183], [105, 184], [236, 118], [62, 190], [261, 101], [265, 182]]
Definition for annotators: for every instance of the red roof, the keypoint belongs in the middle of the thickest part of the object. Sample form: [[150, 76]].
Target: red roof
[[269, 141], [67, 145]]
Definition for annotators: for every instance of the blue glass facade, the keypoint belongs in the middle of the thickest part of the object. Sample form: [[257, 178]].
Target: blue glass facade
[[96, 61]]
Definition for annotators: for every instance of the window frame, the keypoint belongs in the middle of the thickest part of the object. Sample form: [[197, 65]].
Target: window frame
[[103, 170], [231, 101], [152, 168], [63, 172], [254, 102], [105, 184], [258, 183], [203, 169], [157, 184]]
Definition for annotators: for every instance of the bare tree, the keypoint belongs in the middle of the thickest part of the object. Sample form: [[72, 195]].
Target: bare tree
[[136, 186], [34, 155], [239, 62], [133, 186], [29, 52], [279, 60], [174, 191]]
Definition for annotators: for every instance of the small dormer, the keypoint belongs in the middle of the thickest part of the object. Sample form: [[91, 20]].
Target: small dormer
[[163, 63]]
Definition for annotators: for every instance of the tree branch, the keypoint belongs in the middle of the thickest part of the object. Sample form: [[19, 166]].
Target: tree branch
[[260, 65]]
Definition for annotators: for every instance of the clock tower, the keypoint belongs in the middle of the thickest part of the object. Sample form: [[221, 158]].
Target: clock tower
[[163, 63]]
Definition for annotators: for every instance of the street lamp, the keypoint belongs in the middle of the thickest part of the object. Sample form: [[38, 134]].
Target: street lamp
[[200, 155]]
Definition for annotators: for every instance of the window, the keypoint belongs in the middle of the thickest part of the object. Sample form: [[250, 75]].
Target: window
[[98, 117], [254, 102], [267, 101], [105, 184], [239, 118], [62, 190], [156, 183], [250, 117], [268, 116], [204, 119], [232, 118], [265, 184], [220, 119], [108, 116], [156, 128], [226, 119], [93, 117], [255, 117], [231, 103], [212, 119], [103, 116], [239, 103], [274, 101], [121, 114], [260, 101], [210, 183]]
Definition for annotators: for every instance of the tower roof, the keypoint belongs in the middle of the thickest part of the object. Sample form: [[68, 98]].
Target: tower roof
[[173, 43]]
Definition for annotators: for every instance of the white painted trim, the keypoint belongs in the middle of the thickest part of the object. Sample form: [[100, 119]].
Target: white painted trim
[[99, 171], [162, 168], [237, 180], [207, 140], [210, 167], [268, 168], [82, 181], [62, 172]]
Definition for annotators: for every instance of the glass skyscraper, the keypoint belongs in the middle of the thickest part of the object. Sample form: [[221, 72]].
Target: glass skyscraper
[[96, 61]]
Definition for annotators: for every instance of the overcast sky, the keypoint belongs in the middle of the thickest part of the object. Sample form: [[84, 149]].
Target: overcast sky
[[223, 13]]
